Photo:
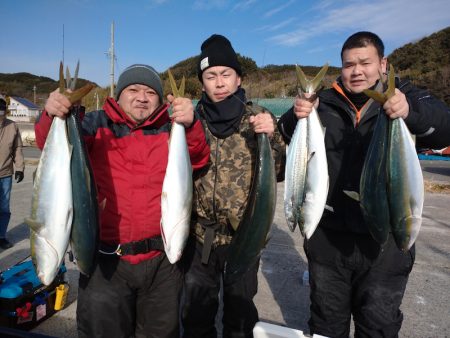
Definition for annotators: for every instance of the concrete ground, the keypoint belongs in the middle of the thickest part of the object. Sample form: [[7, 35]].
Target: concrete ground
[[282, 298]]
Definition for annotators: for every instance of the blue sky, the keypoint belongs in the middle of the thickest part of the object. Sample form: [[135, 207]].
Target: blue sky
[[163, 32]]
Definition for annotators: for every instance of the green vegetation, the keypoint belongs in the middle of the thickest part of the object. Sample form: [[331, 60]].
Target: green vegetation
[[426, 63]]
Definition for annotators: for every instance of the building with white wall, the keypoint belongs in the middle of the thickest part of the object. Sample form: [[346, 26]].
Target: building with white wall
[[21, 109]]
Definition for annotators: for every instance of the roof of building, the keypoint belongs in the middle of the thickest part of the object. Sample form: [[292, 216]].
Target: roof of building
[[25, 102]]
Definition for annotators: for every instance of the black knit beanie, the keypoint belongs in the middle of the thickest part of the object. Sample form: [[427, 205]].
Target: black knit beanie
[[140, 74], [217, 51]]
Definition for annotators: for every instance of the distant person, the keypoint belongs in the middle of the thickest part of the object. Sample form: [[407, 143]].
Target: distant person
[[350, 274], [11, 157], [134, 290], [221, 192]]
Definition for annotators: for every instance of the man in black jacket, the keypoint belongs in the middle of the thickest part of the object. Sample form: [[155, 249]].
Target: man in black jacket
[[350, 274]]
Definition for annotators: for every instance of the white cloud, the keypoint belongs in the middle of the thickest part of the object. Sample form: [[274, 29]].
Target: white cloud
[[273, 28], [243, 5], [278, 9], [209, 4], [158, 2], [398, 21]]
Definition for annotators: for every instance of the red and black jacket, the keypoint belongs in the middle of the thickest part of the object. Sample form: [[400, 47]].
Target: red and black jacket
[[129, 164]]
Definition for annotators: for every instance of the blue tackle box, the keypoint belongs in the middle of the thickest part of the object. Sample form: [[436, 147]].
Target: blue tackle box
[[24, 301]]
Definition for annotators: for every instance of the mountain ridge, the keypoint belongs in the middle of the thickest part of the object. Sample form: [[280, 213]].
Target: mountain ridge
[[426, 62]]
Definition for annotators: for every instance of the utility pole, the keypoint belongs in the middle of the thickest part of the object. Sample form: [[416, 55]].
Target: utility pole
[[111, 54], [34, 94], [96, 97]]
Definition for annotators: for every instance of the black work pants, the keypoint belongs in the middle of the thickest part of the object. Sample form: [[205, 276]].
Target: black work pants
[[351, 275], [130, 300], [201, 296]]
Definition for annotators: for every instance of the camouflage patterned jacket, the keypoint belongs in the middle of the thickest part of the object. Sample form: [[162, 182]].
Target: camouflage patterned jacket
[[222, 187]]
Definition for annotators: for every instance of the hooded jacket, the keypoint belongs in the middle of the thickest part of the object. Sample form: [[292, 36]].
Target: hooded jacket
[[129, 164]]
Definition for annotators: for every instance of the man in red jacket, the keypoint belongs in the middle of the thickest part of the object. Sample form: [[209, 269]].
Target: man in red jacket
[[136, 293]]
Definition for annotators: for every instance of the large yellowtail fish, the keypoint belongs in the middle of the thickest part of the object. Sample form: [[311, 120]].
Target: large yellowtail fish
[[405, 188], [52, 206], [85, 224], [373, 183], [252, 232], [306, 176], [176, 197], [85, 228]]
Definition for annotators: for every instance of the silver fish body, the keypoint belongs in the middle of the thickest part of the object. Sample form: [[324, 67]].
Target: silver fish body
[[51, 209], [405, 186], [176, 197], [295, 175], [317, 181], [306, 176], [306, 173]]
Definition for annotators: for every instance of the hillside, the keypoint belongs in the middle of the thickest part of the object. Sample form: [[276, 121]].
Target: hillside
[[425, 62]]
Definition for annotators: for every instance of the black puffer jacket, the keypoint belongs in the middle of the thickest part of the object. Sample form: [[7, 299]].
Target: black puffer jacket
[[347, 144]]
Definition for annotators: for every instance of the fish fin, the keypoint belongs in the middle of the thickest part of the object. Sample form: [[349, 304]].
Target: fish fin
[[267, 240], [67, 77], [376, 96], [352, 194], [301, 78], [177, 92], [173, 84], [70, 148], [292, 226], [390, 91], [310, 86], [234, 222], [102, 204], [79, 93], [35, 226], [61, 78], [315, 83], [182, 86], [73, 83]]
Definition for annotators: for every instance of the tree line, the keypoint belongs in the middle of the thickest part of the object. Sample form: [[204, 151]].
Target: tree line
[[425, 62]]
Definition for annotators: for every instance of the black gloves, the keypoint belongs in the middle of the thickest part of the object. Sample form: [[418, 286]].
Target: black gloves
[[18, 176]]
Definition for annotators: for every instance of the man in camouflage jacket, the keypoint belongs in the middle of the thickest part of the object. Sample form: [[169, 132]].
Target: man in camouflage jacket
[[221, 191]]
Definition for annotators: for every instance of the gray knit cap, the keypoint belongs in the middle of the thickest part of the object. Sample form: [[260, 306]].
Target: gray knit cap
[[140, 74]]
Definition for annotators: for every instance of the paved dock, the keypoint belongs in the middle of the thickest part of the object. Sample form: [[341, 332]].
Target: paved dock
[[282, 298]]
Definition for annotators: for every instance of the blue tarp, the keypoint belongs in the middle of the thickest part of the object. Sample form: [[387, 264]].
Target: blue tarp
[[433, 157]]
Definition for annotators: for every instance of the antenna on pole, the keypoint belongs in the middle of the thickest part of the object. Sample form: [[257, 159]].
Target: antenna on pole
[[63, 46], [111, 54]]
